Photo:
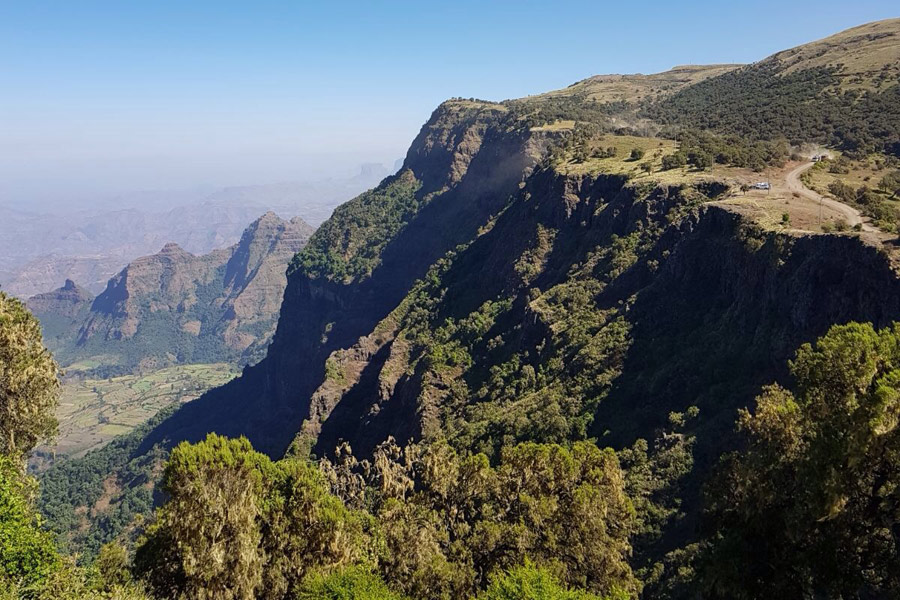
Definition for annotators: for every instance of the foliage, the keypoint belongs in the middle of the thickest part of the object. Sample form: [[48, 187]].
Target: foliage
[[70, 582], [72, 488], [528, 582], [809, 508], [27, 553], [450, 521], [702, 149], [349, 245], [536, 112], [870, 203], [674, 161], [890, 183], [29, 387], [759, 103], [353, 583], [239, 526]]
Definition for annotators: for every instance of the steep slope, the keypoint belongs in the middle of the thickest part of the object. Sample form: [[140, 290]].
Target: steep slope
[[175, 307], [461, 169]]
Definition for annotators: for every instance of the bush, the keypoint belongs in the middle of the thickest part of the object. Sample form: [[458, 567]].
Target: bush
[[674, 161]]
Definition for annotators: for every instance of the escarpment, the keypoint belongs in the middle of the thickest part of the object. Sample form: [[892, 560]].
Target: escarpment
[[528, 304]]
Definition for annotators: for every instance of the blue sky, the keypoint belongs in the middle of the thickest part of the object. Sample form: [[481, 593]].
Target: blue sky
[[100, 97]]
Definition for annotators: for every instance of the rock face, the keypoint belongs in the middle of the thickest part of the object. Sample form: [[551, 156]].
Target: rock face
[[174, 306]]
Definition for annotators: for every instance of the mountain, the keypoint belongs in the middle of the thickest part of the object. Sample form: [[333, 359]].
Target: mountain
[[482, 218], [537, 272], [176, 307], [637, 87]]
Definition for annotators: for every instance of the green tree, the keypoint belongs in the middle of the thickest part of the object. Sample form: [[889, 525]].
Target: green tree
[[27, 553], [112, 566], [29, 387], [674, 161], [812, 506], [464, 518], [637, 154], [700, 159], [209, 522], [239, 526], [305, 527], [890, 183]]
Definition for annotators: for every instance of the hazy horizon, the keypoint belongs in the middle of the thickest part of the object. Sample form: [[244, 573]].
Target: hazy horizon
[[105, 98]]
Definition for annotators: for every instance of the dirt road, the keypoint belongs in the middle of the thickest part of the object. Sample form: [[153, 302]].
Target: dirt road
[[796, 186]]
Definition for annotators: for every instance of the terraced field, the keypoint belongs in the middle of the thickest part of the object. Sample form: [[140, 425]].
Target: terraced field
[[93, 411]]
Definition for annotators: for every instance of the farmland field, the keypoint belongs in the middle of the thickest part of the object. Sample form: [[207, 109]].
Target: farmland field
[[93, 411]]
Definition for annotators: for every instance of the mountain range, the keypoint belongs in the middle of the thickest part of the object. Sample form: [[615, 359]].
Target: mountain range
[[174, 307], [38, 251]]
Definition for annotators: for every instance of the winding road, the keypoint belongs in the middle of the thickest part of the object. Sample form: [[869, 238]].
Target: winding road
[[796, 186]]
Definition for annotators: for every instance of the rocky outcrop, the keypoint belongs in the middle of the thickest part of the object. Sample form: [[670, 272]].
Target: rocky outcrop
[[68, 301]]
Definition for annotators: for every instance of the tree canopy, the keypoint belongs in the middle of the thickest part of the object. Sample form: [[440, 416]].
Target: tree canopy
[[29, 387], [811, 507]]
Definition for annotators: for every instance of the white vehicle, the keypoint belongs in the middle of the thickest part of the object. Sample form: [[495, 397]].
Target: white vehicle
[[761, 185]]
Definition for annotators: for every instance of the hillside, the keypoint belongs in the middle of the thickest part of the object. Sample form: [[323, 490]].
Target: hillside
[[175, 307], [537, 273], [637, 87], [843, 91]]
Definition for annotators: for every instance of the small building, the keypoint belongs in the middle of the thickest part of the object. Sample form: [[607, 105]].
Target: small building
[[761, 185]]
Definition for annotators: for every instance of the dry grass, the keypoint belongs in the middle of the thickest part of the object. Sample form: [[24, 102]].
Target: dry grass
[[633, 88], [868, 56]]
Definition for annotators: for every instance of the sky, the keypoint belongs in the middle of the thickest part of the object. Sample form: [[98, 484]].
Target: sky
[[100, 98]]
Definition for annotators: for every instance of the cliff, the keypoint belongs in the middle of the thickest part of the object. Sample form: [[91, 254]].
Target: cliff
[[509, 301]]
